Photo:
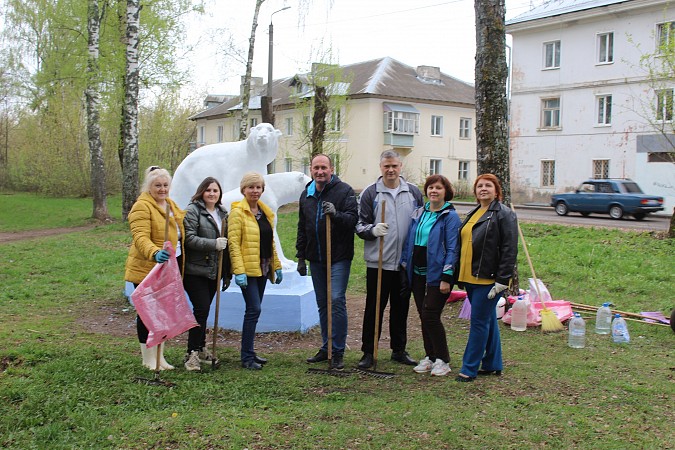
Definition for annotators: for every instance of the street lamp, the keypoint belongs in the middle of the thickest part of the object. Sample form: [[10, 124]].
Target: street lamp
[[268, 113]]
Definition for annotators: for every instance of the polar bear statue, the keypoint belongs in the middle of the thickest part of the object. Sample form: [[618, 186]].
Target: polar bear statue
[[226, 161]]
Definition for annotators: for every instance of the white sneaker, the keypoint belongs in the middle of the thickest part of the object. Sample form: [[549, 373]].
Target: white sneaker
[[424, 366], [192, 362], [440, 368]]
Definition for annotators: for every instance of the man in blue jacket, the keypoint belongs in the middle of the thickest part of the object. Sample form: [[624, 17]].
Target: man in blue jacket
[[401, 199], [326, 195]]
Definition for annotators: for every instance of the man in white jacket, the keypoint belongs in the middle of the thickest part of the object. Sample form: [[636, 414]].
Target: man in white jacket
[[401, 200]]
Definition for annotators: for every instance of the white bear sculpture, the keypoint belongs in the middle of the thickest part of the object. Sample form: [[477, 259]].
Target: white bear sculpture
[[226, 161]]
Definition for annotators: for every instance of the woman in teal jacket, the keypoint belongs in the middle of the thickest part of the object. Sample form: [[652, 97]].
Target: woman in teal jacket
[[429, 257]]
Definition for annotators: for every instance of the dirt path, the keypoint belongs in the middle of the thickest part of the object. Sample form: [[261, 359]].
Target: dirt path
[[33, 234]]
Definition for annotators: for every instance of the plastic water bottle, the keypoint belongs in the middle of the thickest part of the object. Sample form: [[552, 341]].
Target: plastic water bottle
[[577, 332], [620, 330], [603, 319], [519, 315]]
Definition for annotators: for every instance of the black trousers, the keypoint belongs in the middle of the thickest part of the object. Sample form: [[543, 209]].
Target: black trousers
[[201, 291], [398, 310], [430, 303]]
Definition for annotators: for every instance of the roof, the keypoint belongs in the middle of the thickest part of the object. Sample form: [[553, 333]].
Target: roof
[[558, 7], [384, 78]]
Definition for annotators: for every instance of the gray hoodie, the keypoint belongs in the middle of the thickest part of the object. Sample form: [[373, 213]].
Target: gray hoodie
[[397, 215]]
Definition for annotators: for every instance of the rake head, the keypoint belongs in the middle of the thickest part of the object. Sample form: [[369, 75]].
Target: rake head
[[374, 373], [331, 372]]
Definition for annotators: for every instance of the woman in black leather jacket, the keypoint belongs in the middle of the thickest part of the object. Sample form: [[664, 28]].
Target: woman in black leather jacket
[[488, 252], [203, 221]]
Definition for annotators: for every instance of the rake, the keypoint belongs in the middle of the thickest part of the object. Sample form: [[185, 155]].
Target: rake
[[373, 372], [329, 307], [214, 361], [156, 380]]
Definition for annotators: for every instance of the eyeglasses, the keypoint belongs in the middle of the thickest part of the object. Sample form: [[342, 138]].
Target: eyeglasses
[[153, 168]]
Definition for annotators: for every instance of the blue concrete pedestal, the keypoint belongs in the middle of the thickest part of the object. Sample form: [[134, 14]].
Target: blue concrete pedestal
[[289, 306]]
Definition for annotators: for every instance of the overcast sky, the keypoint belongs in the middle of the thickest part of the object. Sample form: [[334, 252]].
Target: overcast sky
[[421, 32]]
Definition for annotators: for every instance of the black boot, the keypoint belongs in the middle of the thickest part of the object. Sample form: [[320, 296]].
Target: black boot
[[366, 361], [337, 361], [404, 358]]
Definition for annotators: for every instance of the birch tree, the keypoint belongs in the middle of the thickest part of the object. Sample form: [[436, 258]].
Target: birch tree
[[97, 168], [246, 94], [492, 144], [129, 125]]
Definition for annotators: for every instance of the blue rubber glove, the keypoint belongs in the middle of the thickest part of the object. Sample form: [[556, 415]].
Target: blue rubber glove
[[162, 256], [241, 280], [279, 276]]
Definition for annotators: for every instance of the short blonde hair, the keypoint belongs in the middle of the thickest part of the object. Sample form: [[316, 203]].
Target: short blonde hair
[[151, 174], [249, 179]]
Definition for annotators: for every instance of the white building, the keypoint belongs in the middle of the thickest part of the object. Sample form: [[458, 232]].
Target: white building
[[425, 115], [582, 104]]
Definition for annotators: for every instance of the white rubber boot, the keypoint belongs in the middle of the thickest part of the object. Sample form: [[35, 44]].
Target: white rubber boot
[[149, 357], [163, 365]]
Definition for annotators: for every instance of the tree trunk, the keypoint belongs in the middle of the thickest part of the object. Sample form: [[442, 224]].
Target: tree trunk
[[130, 112], [246, 94], [97, 167], [319, 119], [491, 103]]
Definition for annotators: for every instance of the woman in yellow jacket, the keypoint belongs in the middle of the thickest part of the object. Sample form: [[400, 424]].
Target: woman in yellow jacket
[[253, 257], [147, 220]]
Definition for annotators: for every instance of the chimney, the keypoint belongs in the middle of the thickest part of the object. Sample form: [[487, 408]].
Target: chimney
[[256, 86], [429, 74]]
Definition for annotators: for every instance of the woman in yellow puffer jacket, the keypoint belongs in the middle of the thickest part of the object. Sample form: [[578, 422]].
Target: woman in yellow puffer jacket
[[147, 220], [254, 259]]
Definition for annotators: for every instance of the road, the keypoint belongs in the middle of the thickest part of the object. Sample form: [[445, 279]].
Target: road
[[544, 214]]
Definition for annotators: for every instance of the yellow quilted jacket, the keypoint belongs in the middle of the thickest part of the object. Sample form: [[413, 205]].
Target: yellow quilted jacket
[[243, 236], [147, 221]]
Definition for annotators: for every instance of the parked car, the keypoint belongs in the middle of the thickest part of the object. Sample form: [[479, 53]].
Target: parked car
[[612, 196]]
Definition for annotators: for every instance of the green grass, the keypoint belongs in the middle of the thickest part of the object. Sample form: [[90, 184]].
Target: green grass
[[64, 387], [24, 211]]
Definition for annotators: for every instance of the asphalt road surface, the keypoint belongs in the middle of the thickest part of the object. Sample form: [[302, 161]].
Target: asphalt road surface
[[544, 214]]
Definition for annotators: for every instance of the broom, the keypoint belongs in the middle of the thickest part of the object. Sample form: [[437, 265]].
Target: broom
[[549, 321]]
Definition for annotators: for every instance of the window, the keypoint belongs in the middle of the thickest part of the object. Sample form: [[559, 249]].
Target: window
[[400, 122], [665, 37], [306, 125], [437, 125], [550, 113], [464, 128], [664, 105], [289, 126], [434, 166], [305, 166], [335, 120], [547, 173], [463, 173], [272, 167], [235, 128], [605, 48], [601, 168], [254, 122], [604, 110], [220, 133], [202, 135], [336, 163], [288, 164], [552, 55]]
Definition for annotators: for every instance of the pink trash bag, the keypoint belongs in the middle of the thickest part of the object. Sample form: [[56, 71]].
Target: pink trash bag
[[561, 308], [160, 302]]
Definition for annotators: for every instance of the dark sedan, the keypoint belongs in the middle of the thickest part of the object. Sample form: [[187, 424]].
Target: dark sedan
[[615, 197]]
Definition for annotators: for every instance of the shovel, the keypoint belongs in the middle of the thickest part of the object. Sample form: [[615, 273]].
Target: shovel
[[373, 372]]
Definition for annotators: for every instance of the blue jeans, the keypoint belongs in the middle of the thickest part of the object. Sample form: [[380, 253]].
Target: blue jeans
[[253, 295], [484, 344], [339, 279]]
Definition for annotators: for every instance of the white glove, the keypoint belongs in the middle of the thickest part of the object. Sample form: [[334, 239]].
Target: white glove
[[221, 243], [381, 229], [496, 289]]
